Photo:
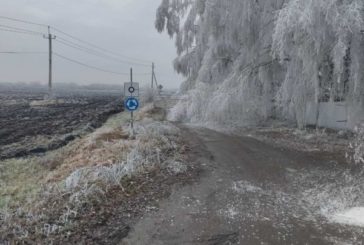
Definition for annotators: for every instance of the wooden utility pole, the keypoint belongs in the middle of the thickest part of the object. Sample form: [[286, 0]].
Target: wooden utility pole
[[50, 37], [153, 75], [154, 78]]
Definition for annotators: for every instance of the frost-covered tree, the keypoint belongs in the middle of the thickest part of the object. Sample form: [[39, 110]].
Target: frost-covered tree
[[246, 61], [319, 42]]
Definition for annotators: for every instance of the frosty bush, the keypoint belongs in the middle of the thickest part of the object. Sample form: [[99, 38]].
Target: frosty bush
[[156, 145], [148, 95], [357, 146], [178, 113], [246, 61]]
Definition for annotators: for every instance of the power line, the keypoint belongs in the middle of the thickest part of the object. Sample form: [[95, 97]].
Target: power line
[[21, 29], [98, 47], [81, 45], [80, 48], [22, 52], [104, 50], [88, 49], [17, 28], [75, 45], [93, 67], [94, 52], [20, 32], [22, 21]]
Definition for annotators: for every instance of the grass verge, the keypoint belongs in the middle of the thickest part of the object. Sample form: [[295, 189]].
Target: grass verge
[[68, 193]]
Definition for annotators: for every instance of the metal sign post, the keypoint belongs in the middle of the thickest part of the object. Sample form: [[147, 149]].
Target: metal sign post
[[131, 112], [131, 92]]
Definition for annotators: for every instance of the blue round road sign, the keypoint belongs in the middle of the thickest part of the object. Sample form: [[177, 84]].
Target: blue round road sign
[[132, 104]]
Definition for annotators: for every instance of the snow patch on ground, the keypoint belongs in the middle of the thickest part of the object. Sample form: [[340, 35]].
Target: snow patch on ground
[[229, 212], [176, 167], [331, 194], [353, 216], [245, 186]]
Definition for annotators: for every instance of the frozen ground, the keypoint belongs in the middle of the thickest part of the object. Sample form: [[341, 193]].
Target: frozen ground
[[255, 193], [309, 139]]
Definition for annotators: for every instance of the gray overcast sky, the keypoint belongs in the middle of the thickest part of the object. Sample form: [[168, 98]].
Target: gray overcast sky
[[126, 26]]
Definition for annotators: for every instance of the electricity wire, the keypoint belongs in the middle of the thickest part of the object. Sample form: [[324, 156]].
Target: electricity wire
[[22, 21], [94, 52], [106, 52], [145, 62], [21, 32], [22, 52], [93, 67]]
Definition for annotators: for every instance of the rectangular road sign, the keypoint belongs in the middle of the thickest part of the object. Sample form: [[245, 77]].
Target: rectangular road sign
[[131, 89]]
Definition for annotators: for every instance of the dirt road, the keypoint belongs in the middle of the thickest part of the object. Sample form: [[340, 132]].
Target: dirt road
[[254, 193]]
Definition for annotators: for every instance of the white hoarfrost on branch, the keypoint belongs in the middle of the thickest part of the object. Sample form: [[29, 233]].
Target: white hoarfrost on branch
[[249, 61], [320, 46]]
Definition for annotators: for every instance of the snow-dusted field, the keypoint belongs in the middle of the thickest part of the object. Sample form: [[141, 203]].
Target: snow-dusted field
[[30, 126]]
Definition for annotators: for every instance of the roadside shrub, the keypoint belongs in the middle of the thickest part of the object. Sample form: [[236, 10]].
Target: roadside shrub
[[148, 95], [155, 146], [356, 147]]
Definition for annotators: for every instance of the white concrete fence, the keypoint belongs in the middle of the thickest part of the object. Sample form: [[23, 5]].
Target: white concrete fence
[[336, 115]]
